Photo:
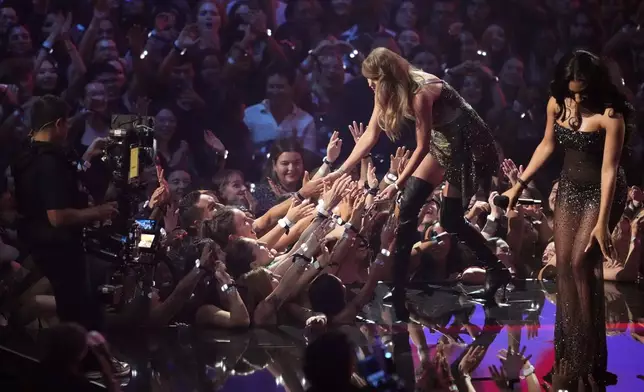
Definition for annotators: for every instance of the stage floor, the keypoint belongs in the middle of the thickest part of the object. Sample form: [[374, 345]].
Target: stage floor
[[181, 358]]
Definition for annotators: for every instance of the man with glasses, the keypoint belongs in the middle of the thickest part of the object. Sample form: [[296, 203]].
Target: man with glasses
[[54, 208]]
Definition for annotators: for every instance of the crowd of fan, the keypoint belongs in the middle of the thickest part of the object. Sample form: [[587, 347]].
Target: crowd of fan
[[250, 91]]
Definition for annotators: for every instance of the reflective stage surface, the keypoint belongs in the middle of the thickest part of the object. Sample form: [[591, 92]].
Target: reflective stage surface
[[181, 358]]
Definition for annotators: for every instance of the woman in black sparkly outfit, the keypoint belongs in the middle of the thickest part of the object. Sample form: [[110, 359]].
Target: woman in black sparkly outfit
[[586, 117], [452, 143]]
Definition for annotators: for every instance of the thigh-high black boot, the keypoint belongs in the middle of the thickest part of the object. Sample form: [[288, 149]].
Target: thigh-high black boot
[[415, 195], [453, 221]]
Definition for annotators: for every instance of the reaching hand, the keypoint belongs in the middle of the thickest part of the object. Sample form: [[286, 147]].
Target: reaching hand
[[511, 171], [397, 160], [299, 210], [356, 131], [472, 359], [513, 361], [312, 188], [334, 194], [601, 235], [334, 147], [358, 210], [513, 195], [160, 197], [499, 377], [372, 179], [387, 194]]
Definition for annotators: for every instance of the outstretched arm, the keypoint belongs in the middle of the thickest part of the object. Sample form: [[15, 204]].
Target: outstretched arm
[[366, 142]]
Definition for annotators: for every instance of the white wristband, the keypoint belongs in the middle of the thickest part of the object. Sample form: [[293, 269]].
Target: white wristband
[[385, 252], [390, 178], [525, 373], [285, 223], [321, 209]]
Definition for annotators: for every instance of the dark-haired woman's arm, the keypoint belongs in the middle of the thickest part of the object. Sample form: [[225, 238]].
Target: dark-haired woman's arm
[[615, 131], [540, 156]]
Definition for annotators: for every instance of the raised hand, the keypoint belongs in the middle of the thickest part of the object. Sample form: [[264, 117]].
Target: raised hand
[[372, 179], [356, 131], [513, 361], [387, 194], [333, 194], [299, 210], [358, 210], [312, 188], [511, 171], [499, 377], [394, 160], [472, 359], [334, 147], [213, 141], [189, 36], [389, 232], [160, 196]]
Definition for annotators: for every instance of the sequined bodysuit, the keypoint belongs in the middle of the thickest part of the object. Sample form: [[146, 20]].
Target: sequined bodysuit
[[580, 329], [462, 143]]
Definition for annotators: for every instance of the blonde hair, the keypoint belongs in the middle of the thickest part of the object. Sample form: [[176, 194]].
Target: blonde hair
[[398, 81]]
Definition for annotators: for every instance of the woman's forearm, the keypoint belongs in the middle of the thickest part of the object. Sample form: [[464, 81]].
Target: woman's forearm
[[539, 158], [608, 180], [414, 161]]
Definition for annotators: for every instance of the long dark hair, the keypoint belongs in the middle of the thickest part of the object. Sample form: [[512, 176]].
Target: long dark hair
[[600, 92]]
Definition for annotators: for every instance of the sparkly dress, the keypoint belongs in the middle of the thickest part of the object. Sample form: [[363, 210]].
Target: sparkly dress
[[580, 329], [462, 143]]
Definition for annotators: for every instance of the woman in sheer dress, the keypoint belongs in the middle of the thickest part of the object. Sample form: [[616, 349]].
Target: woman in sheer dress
[[586, 118]]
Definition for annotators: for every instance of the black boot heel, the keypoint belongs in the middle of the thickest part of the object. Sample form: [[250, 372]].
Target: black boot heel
[[495, 278]]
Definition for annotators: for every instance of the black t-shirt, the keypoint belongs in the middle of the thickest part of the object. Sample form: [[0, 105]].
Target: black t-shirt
[[47, 179]]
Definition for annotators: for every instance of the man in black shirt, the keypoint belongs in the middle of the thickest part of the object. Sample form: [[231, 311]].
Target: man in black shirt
[[54, 208]]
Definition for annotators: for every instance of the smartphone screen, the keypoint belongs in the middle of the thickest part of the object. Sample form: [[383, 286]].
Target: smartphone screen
[[146, 241], [146, 224]]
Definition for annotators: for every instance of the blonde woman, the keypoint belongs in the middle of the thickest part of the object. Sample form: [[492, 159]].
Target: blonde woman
[[453, 144]]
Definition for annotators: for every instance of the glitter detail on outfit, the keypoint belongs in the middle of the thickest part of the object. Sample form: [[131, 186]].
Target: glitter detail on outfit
[[464, 146], [580, 329]]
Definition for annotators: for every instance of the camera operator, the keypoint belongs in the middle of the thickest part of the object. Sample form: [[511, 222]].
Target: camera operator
[[54, 208]]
